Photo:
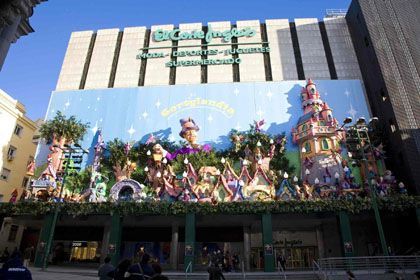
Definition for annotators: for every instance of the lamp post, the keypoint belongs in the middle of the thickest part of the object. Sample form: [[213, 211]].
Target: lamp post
[[57, 209], [358, 133]]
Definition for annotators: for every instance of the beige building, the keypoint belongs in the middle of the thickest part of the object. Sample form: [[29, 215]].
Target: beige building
[[17, 146]]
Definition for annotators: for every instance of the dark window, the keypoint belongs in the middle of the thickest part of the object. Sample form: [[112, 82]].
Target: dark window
[[392, 125], [366, 41], [13, 232], [25, 182], [5, 173], [18, 130], [383, 94]]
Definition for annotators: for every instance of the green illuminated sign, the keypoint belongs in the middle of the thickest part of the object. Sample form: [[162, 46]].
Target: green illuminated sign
[[177, 35], [208, 53]]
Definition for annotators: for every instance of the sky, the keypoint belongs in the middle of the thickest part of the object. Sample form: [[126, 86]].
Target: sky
[[32, 66]]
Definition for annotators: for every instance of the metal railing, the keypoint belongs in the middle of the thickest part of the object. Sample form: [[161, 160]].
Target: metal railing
[[370, 265], [317, 270], [188, 269]]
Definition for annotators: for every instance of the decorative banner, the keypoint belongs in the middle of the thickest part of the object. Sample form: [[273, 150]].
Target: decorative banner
[[132, 114]]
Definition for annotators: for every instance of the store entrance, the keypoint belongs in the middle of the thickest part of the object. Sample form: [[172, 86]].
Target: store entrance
[[225, 241], [155, 241]]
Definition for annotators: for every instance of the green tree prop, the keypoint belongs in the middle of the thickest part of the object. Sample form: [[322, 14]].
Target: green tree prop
[[62, 129]]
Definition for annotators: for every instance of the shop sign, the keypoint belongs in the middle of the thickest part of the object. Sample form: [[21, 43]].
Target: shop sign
[[268, 249], [79, 244], [189, 251], [178, 35], [199, 53], [348, 247], [111, 249]]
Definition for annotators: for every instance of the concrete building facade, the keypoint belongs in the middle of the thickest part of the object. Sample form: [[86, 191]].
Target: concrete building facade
[[17, 146]]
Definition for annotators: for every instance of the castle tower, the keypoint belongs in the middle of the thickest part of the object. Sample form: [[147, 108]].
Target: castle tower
[[318, 139]]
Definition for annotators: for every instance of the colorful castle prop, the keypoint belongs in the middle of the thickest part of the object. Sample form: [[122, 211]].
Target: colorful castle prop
[[249, 175]]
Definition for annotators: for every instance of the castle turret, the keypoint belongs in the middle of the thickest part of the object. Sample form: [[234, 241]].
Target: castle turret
[[317, 136]]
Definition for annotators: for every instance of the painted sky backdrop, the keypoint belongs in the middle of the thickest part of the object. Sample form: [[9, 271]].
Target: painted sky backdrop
[[131, 114], [32, 66]]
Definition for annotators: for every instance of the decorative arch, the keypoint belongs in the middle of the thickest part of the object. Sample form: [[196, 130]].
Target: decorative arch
[[125, 186]]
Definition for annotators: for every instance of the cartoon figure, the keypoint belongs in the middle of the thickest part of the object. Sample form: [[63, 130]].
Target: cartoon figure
[[189, 132]]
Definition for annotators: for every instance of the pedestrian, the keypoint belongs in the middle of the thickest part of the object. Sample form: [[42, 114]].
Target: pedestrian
[[105, 268], [27, 255], [350, 275], [120, 271], [281, 260], [215, 272], [5, 255], [141, 270], [235, 261], [14, 269]]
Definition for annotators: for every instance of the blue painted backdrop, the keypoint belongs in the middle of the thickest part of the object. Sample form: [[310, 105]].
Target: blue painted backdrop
[[131, 114]]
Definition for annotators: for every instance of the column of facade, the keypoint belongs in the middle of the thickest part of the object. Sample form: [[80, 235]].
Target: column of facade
[[267, 238], [247, 248], [174, 247], [46, 230], [189, 240], [320, 242], [105, 242], [114, 243], [346, 237]]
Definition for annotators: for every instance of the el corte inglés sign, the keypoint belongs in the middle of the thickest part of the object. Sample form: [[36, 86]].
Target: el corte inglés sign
[[178, 35]]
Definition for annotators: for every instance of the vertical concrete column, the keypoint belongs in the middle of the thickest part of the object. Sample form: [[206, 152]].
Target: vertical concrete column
[[267, 238], [320, 242], [46, 230], [346, 238], [105, 242], [114, 245], [189, 240], [247, 248], [174, 247]]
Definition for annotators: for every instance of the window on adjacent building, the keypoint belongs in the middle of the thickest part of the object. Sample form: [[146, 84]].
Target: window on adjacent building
[[392, 125], [5, 173], [18, 130], [11, 153], [13, 232], [25, 182]]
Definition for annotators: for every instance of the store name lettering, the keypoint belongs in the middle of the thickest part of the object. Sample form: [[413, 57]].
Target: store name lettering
[[177, 35]]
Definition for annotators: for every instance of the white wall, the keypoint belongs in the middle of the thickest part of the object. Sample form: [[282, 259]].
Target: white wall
[[102, 58], [156, 71], [220, 73], [74, 61], [282, 57], [312, 50], [128, 67]]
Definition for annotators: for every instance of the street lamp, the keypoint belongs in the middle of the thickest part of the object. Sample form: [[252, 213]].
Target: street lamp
[[70, 150], [358, 134]]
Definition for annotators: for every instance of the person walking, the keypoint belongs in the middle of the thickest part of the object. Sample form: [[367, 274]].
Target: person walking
[[5, 255], [141, 270], [27, 256], [14, 269], [121, 270], [105, 268]]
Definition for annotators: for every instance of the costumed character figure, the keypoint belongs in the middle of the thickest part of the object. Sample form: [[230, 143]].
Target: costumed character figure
[[401, 188], [307, 190], [14, 196], [236, 140], [49, 173], [99, 189], [30, 169], [327, 176], [124, 171], [189, 133], [285, 190]]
